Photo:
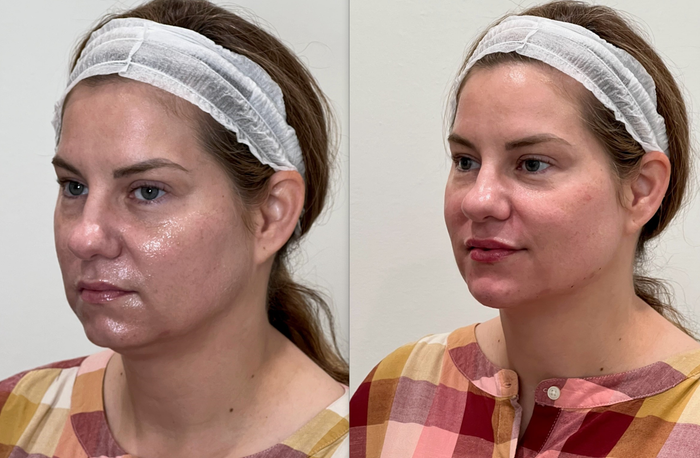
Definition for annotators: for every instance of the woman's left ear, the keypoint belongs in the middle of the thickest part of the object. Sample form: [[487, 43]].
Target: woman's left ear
[[277, 216], [644, 193]]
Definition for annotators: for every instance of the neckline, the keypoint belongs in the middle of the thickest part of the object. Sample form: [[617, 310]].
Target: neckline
[[576, 392], [89, 421]]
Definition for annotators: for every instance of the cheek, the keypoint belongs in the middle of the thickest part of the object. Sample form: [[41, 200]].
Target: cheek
[[454, 217], [62, 228], [186, 259], [579, 224]]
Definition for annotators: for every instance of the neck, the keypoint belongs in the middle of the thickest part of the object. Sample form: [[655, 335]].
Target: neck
[[577, 336], [202, 387], [600, 329], [229, 388]]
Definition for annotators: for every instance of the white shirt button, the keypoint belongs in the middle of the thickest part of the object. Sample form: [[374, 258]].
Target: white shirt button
[[553, 393]]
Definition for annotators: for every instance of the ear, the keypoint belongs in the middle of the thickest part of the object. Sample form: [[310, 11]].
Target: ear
[[277, 217], [644, 193]]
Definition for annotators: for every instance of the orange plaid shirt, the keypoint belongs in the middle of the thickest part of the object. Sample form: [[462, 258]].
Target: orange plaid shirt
[[57, 412]]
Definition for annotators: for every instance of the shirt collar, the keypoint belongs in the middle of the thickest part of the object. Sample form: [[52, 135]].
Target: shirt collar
[[570, 393], [87, 415]]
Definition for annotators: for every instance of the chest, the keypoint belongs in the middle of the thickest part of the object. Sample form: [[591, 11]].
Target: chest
[[442, 422]]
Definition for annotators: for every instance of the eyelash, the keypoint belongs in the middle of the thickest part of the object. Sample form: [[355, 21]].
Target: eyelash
[[457, 159], [63, 182], [148, 185], [537, 159]]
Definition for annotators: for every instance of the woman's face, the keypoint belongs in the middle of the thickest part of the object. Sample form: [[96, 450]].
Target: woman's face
[[149, 235], [531, 203]]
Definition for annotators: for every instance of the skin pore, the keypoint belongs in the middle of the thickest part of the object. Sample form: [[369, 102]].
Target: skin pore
[[159, 266], [529, 175]]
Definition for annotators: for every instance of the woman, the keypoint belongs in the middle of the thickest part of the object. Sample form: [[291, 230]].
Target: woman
[[193, 152], [567, 161]]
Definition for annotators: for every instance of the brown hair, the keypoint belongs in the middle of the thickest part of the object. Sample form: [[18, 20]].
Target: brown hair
[[624, 152], [297, 311]]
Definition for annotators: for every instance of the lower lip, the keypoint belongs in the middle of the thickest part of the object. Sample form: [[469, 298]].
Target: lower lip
[[98, 297], [480, 255]]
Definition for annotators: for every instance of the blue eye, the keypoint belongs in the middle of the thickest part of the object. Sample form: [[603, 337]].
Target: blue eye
[[148, 193], [534, 165], [74, 189]]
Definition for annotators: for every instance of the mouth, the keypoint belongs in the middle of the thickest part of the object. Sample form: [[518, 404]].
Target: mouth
[[489, 250], [101, 292]]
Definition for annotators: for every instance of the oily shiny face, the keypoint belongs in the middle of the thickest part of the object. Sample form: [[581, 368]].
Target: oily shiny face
[[531, 203], [149, 235]]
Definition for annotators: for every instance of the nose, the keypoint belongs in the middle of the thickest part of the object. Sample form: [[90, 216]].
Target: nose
[[92, 231], [487, 198]]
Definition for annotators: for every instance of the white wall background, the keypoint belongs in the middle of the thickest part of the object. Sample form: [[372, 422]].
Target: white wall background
[[403, 56], [36, 38]]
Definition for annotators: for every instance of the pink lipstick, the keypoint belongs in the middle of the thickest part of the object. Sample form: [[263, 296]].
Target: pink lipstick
[[489, 250]]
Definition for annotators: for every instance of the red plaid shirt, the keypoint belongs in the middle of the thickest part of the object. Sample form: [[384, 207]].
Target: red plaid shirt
[[441, 397]]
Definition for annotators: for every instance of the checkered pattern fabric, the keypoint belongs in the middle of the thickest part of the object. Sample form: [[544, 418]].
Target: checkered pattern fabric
[[56, 411], [441, 397]]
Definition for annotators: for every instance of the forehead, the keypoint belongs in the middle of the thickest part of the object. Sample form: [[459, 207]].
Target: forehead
[[125, 120], [135, 91], [528, 95]]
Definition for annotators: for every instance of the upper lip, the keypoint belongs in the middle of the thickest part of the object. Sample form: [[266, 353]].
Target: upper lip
[[99, 286], [488, 244]]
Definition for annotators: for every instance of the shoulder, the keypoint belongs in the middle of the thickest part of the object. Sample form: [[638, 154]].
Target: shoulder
[[683, 398], [334, 422], [33, 384], [36, 404], [422, 359], [414, 368], [325, 436]]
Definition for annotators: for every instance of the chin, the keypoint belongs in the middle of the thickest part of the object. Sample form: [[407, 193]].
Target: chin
[[108, 334], [493, 299], [119, 335], [497, 293]]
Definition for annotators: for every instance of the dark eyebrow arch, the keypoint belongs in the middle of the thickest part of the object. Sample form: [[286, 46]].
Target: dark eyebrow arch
[[520, 143], [59, 162], [124, 171], [533, 140], [146, 166], [454, 138]]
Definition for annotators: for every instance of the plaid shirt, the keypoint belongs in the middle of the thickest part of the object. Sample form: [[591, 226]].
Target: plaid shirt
[[56, 412], [441, 397]]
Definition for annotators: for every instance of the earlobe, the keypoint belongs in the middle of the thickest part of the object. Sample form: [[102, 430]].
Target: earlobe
[[646, 190], [279, 213]]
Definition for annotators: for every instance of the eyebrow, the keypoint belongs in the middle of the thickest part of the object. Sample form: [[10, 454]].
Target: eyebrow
[[515, 144], [61, 163], [534, 140], [133, 169], [147, 165]]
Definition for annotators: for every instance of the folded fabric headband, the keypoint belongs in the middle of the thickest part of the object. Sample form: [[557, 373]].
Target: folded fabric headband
[[234, 90], [616, 78]]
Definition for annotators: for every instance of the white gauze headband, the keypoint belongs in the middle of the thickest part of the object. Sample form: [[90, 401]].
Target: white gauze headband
[[616, 78], [234, 90]]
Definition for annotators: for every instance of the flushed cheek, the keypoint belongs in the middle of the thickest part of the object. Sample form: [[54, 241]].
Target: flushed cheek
[[186, 260], [575, 236]]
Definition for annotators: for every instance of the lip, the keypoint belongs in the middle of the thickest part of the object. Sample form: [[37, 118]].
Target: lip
[[100, 292], [489, 250]]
